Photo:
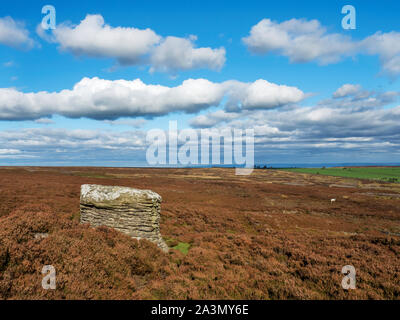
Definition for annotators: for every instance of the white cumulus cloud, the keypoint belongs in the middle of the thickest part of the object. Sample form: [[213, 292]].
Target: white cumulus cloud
[[347, 90], [304, 40], [108, 100], [262, 94], [131, 46], [14, 34], [94, 38], [300, 40], [175, 54], [387, 47]]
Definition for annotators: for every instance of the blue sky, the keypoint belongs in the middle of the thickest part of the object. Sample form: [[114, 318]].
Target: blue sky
[[312, 91]]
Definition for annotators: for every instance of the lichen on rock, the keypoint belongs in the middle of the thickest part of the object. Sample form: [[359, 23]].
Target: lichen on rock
[[132, 211]]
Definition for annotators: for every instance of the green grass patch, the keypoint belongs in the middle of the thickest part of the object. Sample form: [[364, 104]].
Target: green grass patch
[[92, 175], [388, 174], [182, 247]]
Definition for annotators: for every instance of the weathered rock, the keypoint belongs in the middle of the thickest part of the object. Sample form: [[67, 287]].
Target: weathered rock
[[131, 211]]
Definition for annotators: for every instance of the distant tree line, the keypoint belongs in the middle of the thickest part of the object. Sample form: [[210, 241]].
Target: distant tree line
[[261, 167]]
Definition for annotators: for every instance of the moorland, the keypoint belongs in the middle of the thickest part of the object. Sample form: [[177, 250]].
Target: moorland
[[275, 234]]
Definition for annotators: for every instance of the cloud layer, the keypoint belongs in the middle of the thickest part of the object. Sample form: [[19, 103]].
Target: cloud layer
[[317, 133], [108, 100], [304, 40], [358, 125]]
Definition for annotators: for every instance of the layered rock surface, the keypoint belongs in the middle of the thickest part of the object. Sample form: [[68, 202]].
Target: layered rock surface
[[131, 211]]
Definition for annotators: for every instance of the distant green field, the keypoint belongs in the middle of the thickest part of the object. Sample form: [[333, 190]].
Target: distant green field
[[372, 173]]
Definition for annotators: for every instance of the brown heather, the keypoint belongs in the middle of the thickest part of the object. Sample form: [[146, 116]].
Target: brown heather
[[272, 235]]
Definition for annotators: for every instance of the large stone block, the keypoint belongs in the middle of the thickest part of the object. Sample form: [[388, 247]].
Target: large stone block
[[131, 211]]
